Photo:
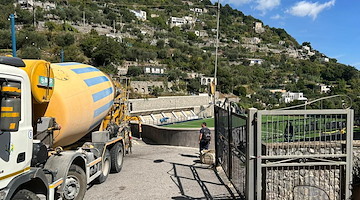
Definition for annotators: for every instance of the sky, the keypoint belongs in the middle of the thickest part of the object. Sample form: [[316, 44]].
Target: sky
[[331, 26]]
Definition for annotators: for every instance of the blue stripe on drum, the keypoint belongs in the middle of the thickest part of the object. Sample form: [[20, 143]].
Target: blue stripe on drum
[[102, 94], [85, 70], [68, 64], [102, 109], [96, 80]]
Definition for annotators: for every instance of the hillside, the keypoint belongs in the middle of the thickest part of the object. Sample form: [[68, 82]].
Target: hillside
[[253, 57]]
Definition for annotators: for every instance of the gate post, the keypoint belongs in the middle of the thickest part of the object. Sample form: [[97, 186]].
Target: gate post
[[230, 141], [349, 153], [216, 113], [250, 155]]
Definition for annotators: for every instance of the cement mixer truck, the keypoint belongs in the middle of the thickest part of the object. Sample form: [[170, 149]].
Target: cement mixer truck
[[62, 126]]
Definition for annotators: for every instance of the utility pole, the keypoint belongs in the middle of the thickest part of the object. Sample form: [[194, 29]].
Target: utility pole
[[34, 20], [216, 48], [84, 18], [114, 27], [13, 34], [62, 55]]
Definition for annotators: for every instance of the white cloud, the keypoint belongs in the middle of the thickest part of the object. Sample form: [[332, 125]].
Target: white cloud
[[304, 8], [265, 5], [276, 17]]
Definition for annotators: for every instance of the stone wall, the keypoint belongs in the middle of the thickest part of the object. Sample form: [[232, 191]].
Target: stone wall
[[324, 182]]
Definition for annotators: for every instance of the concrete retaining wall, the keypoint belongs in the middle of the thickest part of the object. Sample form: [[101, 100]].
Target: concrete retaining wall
[[201, 104], [187, 137]]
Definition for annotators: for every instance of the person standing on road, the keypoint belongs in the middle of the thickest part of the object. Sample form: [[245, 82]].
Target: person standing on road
[[204, 137]]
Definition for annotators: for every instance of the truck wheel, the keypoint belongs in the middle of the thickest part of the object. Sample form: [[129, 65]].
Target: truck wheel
[[75, 183], [105, 168], [117, 157], [25, 194]]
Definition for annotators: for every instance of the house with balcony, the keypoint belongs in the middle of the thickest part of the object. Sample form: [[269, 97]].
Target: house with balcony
[[289, 97]]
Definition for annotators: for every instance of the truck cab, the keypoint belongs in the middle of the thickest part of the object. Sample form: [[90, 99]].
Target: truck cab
[[16, 133]]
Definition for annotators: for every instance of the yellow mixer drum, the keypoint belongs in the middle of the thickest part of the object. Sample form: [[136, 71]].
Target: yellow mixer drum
[[82, 97]]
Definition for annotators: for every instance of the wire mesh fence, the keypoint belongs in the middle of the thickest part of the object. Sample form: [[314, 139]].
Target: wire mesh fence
[[304, 154]]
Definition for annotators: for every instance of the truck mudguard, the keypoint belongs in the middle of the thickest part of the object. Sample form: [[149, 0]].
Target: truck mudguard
[[33, 173], [60, 164]]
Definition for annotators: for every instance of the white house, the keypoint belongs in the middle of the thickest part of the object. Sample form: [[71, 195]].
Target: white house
[[176, 21], [29, 4], [197, 10], [325, 88], [154, 70], [288, 97], [206, 80], [201, 33], [141, 15], [324, 59], [255, 61]]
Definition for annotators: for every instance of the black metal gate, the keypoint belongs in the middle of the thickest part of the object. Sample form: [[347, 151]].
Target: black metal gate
[[230, 133]]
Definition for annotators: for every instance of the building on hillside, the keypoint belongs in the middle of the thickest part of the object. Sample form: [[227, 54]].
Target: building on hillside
[[277, 91], [45, 5], [154, 15], [289, 97], [141, 15], [176, 21], [193, 75], [255, 61], [155, 70], [259, 27], [26, 4], [206, 80], [30, 4], [145, 87], [324, 59], [197, 10], [201, 33], [324, 88]]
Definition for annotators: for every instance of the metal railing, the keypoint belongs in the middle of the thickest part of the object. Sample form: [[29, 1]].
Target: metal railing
[[169, 120], [286, 154]]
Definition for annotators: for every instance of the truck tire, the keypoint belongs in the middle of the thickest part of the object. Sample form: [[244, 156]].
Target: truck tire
[[75, 184], [105, 167], [117, 157], [25, 194]]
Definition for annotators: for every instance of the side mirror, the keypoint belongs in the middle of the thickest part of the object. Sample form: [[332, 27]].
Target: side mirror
[[10, 112]]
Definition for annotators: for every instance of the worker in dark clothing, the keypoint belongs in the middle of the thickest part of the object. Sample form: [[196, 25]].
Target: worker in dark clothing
[[204, 137]]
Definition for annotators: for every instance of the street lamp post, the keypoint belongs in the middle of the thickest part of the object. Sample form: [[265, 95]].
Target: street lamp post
[[13, 34], [216, 49]]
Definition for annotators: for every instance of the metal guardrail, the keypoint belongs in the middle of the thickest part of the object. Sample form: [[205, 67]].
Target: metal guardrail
[[169, 120]]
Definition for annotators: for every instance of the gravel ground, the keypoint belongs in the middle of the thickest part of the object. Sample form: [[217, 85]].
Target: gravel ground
[[163, 172]]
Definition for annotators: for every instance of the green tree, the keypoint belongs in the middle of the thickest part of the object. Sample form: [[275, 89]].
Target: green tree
[[134, 71], [30, 52], [194, 86], [64, 40]]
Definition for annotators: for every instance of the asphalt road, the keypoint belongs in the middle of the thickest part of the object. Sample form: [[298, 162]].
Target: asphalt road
[[163, 172]]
